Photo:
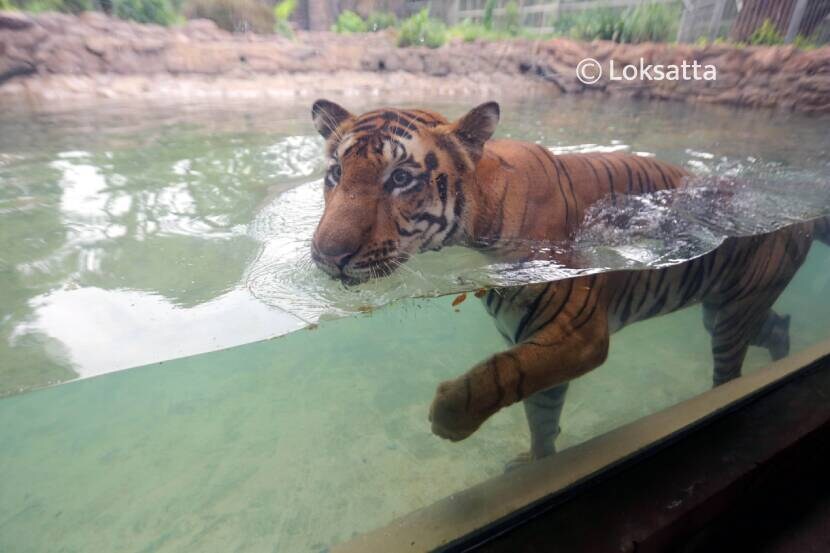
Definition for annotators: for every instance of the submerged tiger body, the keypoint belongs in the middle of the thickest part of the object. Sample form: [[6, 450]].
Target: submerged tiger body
[[403, 181]]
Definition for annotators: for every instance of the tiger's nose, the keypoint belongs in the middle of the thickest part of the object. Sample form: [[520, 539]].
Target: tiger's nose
[[336, 258]]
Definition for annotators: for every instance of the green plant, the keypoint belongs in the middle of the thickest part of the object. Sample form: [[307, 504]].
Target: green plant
[[65, 6], [421, 29], [145, 11], [469, 31], [377, 21], [805, 43], [487, 18], [766, 35], [6, 5], [233, 15], [282, 13], [649, 23], [284, 9], [512, 18], [645, 22], [595, 24], [349, 22]]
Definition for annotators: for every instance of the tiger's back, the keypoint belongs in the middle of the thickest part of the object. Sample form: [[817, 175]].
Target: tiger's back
[[536, 196]]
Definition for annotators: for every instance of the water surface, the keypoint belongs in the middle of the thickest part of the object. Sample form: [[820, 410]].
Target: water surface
[[134, 236]]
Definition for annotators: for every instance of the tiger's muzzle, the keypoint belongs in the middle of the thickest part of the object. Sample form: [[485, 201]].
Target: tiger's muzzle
[[334, 264], [353, 269]]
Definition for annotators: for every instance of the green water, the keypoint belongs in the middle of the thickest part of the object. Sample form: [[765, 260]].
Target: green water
[[126, 239]]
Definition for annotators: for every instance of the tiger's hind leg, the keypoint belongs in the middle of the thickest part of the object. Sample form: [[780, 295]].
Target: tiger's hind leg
[[543, 410], [734, 327], [774, 334]]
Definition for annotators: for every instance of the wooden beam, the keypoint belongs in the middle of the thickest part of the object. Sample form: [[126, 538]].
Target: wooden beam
[[795, 20]]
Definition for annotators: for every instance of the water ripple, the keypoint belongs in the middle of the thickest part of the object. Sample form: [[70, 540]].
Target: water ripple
[[638, 232]]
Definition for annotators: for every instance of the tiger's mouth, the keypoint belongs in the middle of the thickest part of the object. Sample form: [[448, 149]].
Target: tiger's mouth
[[356, 272]]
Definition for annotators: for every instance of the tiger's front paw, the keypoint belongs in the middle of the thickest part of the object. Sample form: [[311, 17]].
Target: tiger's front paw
[[450, 411]]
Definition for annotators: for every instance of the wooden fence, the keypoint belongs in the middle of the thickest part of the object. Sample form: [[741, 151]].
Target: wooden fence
[[539, 15], [709, 19]]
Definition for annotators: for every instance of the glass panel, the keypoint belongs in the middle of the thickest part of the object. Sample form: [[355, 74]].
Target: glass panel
[[132, 236]]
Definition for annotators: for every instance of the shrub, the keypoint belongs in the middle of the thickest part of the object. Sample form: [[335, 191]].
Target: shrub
[[233, 15], [6, 5], [65, 6], [349, 22], [282, 13], [650, 22], [646, 22], [469, 32], [487, 18], [594, 24], [284, 9], [421, 29], [377, 21], [766, 35], [145, 11], [512, 18], [805, 43]]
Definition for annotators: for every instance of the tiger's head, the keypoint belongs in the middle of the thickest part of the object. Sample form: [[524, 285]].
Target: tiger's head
[[394, 185]]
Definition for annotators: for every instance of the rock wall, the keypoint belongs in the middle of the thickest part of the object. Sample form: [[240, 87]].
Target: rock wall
[[95, 55]]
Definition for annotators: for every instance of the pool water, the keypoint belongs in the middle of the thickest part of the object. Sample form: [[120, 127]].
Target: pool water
[[130, 236]]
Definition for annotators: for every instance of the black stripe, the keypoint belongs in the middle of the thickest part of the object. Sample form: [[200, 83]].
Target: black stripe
[[573, 194], [398, 131], [457, 210], [561, 306], [403, 232], [610, 179], [530, 312], [630, 176], [441, 183], [446, 143], [557, 183], [697, 282]]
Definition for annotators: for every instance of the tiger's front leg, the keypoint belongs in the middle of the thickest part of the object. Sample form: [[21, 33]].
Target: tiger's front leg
[[571, 339]]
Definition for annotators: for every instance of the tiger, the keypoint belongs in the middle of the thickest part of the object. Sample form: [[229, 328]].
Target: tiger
[[402, 181]]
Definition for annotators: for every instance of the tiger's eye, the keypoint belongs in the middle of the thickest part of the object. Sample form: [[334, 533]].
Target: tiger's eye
[[400, 177], [336, 171]]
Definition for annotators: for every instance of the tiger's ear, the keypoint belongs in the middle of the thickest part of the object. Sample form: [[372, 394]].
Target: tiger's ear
[[476, 128], [327, 116]]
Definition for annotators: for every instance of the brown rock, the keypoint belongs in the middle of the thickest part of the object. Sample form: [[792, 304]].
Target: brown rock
[[819, 84], [14, 21], [97, 20], [103, 46], [769, 58], [121, 55]]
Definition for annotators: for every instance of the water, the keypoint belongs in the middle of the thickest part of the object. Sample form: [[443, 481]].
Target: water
[[633, 232], [134, 236]]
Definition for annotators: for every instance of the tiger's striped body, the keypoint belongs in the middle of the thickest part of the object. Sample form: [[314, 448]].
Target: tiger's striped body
[[402, 181], [637, 295]]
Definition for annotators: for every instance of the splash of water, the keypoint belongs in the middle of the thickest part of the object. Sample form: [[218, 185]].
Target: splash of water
[[636, 232]]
